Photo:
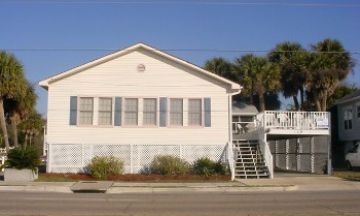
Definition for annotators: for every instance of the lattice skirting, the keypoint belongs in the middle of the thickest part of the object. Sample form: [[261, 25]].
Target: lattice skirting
[[73, 158]]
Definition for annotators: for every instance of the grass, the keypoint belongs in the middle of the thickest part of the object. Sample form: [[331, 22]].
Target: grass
[[57, 177], [353, 175]]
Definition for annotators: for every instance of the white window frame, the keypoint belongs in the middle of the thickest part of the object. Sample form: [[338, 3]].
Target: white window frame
[[82, 111], [348, 117], [154, 112], [182, 113], [201, 113], [103, 111], [125, 112]]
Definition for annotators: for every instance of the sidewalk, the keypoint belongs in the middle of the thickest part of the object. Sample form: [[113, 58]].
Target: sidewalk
[[317, 183]]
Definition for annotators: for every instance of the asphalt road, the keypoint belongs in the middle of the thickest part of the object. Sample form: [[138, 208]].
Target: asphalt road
[[223, 203]]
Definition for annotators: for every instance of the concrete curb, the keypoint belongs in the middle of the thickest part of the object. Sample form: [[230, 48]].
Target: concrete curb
[[143, 187]]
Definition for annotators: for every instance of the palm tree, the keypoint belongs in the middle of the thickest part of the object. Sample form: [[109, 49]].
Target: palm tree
[[291, 58], [258, 76], [330, 64], [31, 127], [222, 67], [19, 109], [12, 84]]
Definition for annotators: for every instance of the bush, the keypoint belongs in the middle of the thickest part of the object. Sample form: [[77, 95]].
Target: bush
[[169, 165], [105, 166], [206, 167], [23, 158]]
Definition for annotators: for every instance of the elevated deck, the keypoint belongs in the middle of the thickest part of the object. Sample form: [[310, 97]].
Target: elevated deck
[[287, 123]]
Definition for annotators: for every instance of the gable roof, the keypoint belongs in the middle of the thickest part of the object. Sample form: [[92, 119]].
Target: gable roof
[[349, 97], [46, 82]]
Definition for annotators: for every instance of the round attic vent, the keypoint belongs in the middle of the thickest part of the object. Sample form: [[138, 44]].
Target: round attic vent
[[141, 68]]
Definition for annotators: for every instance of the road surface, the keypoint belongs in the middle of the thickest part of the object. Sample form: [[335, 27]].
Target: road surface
[[183, 203]]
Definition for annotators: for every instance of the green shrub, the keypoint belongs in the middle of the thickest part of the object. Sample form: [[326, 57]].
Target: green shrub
[[206, 167], [105, 166], [169, 165], [23, 158]]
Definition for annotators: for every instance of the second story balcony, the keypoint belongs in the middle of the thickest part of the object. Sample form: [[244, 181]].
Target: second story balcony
[[287, 123]]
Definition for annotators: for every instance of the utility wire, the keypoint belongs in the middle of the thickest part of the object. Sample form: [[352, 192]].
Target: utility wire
[[193, 2], [355, 52]]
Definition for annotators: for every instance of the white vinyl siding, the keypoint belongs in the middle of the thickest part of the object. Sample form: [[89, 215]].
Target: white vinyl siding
[[105, 111], [149, 111], [119, 78], [176, 112], [195, 112], [86, 111], [131, 111]]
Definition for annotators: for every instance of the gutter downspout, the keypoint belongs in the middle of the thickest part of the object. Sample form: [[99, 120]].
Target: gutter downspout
[[230, 138]]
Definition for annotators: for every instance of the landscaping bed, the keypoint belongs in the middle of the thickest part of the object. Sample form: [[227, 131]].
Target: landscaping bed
[[58, 177]]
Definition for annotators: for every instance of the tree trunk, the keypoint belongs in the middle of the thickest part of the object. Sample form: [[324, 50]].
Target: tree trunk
[[262, 102], [302, 95], [323, 104], [26, 139], [3, 125], [317, 105], [296, 102], [14, 128]]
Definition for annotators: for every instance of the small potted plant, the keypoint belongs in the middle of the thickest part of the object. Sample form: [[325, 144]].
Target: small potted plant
[[22, 164]]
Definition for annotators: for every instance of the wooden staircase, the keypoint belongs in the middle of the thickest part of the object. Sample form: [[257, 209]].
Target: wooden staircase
[[249, 162]]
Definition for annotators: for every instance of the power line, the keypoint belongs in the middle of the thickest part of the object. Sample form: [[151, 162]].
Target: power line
[[193, 2], [355, 52]]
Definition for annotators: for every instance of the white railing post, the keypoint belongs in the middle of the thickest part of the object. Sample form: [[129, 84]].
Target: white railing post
[[231, 161]]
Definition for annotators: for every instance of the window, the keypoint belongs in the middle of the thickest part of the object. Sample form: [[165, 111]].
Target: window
[[358, 110], [149, 111], [86, 111], [176, 112], [105, 111], [195, 112], [348, 115], [131, 111]]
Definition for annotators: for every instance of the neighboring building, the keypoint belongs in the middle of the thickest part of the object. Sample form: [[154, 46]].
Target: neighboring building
[[244, 117], [135, 104], [346, 116]]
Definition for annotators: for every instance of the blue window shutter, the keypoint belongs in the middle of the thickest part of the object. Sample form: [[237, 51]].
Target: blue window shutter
[[73, 110], [163, 111], [207, 112], [117, 114]]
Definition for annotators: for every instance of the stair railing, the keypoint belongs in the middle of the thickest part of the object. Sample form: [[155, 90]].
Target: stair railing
[[265, 150]]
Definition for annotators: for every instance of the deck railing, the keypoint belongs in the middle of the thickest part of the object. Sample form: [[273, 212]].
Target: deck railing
[[294, 120]]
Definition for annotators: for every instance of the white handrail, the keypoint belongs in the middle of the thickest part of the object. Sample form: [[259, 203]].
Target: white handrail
[[295, 120], [265, 150]]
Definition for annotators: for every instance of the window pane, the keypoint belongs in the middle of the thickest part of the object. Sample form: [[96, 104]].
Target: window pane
[[131, 111], [176, 112], [195, 112], [358, 111], [86, 111], [149, 111], [105, 111]]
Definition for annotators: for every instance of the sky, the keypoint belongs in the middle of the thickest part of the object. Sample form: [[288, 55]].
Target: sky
[[49, 37]]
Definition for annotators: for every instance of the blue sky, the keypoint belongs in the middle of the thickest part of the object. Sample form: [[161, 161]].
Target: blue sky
[[49, 24]]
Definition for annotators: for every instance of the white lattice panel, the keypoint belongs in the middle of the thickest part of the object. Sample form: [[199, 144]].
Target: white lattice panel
[[194, 152], [73, 158], [66, 155]]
